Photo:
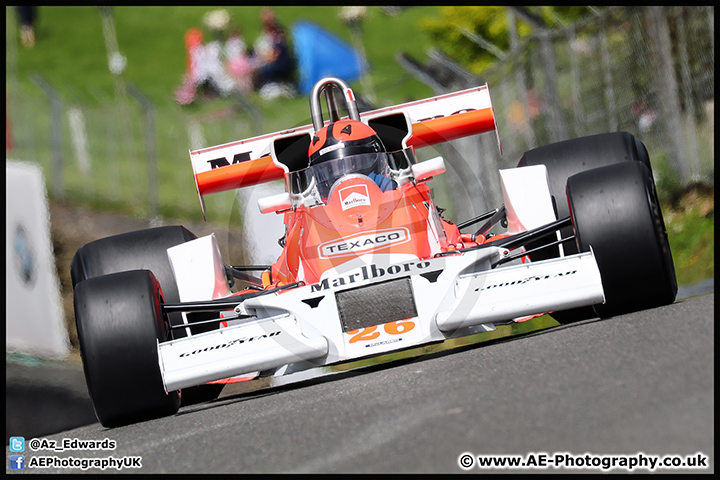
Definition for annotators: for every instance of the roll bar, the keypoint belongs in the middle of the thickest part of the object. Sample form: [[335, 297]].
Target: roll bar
[[328, 85]]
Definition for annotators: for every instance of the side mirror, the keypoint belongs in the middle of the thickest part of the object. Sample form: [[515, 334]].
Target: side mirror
[[428, 168], [275, 203]]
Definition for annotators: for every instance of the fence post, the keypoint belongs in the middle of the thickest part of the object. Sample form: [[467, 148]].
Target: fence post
[[528, 132], [150, 147], [690, 132], [666, 87], [607, 76], [55, 132], [256, 116], [578, 110], [551, 104]]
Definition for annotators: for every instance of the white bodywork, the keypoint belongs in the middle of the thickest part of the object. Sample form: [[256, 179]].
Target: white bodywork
[[528, 203], [452, 295], [428, 169], [259, 345], [198, 269]]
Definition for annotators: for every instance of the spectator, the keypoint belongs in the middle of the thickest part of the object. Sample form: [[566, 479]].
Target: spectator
[[219, 67], [222, 67], [274, 58], [26, 17], [185, 95], [215, 77], [239, 63], [645, 116], [194, 46]]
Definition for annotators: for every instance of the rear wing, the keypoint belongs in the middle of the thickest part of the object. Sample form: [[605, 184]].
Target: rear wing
[[434, 120]]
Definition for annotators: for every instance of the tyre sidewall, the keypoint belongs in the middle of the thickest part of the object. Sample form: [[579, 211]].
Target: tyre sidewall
[[119, 324], [615, 212]]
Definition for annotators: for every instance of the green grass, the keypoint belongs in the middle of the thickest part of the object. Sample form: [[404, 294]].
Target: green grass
[[71, 52], [691, 234]]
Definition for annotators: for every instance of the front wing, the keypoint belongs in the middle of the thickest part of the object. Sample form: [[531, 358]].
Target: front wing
[[377, 304]]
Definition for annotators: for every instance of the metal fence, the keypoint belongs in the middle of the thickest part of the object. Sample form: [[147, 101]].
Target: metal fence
[[121, 150], [645, 70]]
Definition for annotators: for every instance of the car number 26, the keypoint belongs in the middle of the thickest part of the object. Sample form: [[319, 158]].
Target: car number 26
[[371, 333]]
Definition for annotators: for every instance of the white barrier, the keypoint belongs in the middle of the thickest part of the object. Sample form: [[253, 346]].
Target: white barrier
[[33, 310]]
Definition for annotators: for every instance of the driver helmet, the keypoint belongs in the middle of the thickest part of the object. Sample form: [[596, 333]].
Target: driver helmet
[[341, 139]]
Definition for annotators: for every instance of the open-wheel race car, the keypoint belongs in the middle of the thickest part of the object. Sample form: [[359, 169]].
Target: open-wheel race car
[[368, 264]]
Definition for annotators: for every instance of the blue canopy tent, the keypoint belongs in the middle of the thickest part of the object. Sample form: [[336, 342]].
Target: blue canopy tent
[[320, 54]]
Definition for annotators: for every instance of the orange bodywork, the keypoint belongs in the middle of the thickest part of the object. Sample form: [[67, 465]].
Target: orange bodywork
[[400, 221], [358, 218], [438, 130], [239, 175]]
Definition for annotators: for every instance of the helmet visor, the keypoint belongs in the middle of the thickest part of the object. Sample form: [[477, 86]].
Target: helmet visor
[[323, 176]]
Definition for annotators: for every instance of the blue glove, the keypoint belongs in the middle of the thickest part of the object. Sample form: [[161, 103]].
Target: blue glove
[[383, 182]]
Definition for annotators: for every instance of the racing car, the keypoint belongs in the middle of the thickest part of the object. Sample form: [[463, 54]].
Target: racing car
[[369, 265]]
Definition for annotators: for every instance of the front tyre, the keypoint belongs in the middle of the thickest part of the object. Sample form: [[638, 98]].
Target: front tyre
[[119, 323], [615, 211], [147, 250], [565, 159]]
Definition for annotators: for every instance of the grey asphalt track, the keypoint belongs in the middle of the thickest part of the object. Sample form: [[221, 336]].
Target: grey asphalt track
[[639, 383]]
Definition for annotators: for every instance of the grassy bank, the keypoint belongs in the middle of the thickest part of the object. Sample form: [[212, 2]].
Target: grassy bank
[[70, 49], [690, 223]]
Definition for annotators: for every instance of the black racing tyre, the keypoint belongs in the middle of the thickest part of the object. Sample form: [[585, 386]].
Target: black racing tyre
[[145, 249], [615, 211], [565, 159], [119, 323]]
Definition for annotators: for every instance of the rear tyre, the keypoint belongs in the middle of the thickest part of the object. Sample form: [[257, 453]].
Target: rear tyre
[[119, 323], [565, 159], [145, 249], [615, 211]]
